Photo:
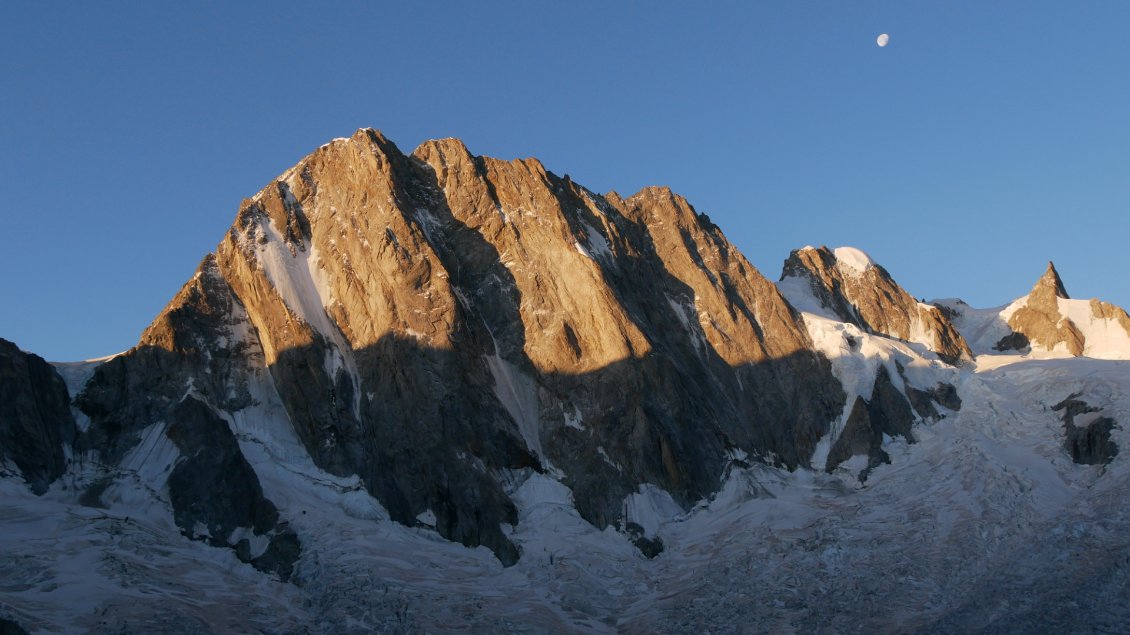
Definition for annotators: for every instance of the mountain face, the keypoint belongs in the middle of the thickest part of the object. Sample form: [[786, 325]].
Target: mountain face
[[614, 421], [35, 417], [1047, 321], [854, 289], [431, 322]]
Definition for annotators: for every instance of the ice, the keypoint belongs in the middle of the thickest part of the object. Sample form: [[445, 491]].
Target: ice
[[650, 507], [687, 315], [983, 328], [581, 250], [798, 291], [305, 288], [597, 243], [294, 275], [574, 419], [517, 393], [854, 260], [985, 516], [76, 374]]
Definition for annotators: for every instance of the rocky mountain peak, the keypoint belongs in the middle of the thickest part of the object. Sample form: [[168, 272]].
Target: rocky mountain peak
[[1047, 318], [848, 285], [432, 323], [1050, 283], [1039, 319]]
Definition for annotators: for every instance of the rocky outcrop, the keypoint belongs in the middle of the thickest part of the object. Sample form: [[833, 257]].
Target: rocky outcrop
[[216, 496], [1039, 320], [194, 344], [433, 322], [888, 412], [1087, 434], [856, 290], [35, 417], [198, 357], [1103, 311]]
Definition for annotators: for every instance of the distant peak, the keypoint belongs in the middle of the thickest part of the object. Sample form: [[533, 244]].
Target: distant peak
[[1051, 280], [845, 259]]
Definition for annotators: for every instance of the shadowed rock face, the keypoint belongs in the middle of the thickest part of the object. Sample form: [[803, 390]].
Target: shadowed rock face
[[35, 416], [887, 412], [1039, 320], [217, 497], [198, 356], [193, 343], [433, 321], [869, 298], [1088, 442]]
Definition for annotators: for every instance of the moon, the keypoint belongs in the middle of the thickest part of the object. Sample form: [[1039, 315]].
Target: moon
[[882, 40]]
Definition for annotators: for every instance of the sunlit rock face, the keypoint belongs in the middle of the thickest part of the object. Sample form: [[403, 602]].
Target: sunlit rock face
[[1048, 320], [1039, 319], [856, 290], [436, 321]]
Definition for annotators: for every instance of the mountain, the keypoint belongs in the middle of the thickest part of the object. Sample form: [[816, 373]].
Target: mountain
[[1047, 322], [436, 391], [846, 284], [428, 322]]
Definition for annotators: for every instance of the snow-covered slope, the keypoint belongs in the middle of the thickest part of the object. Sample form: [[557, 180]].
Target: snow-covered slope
[[983, 525]]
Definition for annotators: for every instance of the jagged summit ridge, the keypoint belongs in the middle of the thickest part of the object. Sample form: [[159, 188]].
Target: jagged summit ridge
[[431, 322], [1040, 320]]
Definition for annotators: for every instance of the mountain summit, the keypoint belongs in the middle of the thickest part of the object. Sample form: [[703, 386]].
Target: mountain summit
[[849, 285], [431, 322], [1047, 320], [1051, 280]]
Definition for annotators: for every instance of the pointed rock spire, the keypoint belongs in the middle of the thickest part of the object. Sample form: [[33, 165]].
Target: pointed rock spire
[[1040, 320], [1051, 281]]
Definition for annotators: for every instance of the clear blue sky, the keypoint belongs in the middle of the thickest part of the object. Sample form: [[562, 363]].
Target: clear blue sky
[[986, 139]]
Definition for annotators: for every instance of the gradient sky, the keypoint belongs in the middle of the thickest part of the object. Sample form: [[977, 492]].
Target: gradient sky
[[986, 139]]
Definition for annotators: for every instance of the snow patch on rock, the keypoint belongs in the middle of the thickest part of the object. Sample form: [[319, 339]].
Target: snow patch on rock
[[852, 259]]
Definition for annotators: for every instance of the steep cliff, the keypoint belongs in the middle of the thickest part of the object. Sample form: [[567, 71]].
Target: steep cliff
[[432, 322], [35, 417]]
